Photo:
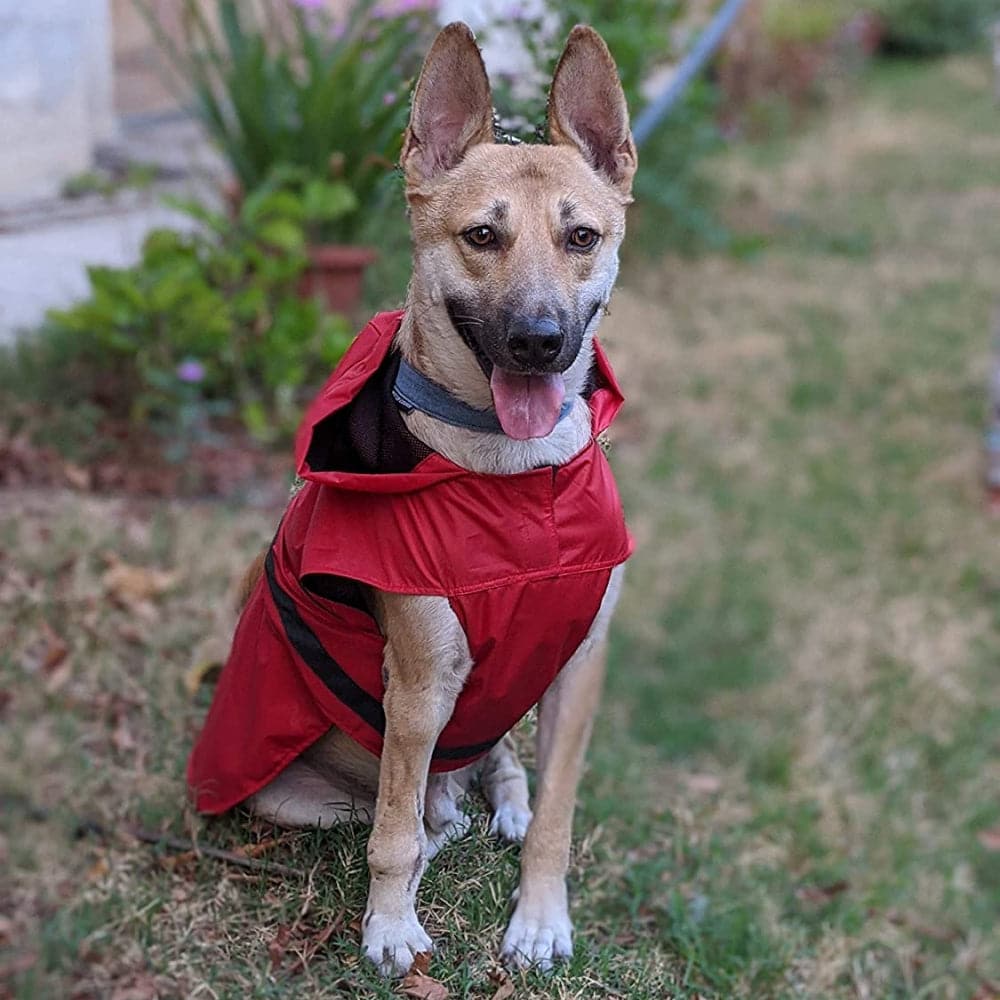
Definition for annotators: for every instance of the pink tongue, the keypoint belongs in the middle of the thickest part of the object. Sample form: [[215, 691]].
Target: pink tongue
[[528, 405]]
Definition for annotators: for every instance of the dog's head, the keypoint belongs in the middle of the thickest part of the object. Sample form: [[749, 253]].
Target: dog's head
[[516, 244]]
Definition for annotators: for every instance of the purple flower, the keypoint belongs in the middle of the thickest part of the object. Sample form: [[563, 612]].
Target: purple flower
[[388, 98], [191, 371], [309, 4]]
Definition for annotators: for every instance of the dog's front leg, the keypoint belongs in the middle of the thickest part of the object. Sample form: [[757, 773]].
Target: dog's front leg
[[426, 663], [540, 929]]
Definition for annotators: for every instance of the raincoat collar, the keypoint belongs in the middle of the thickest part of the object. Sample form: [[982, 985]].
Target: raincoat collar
[[370, 350]]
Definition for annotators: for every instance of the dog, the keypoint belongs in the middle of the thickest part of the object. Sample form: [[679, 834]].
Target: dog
[[457, 549]]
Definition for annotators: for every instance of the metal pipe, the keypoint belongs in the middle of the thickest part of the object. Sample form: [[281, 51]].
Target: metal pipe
[[703, 50]]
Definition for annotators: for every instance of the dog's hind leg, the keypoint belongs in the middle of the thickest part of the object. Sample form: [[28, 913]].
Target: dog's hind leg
[[302, 796], [444, 821], [540, 928], [505, 785]]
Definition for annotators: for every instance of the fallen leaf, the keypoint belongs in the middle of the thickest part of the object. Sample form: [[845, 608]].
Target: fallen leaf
[[990, 839], [422, 987], [315, 943], [703, 784], [132, 633], [505, 987], [77, 476], [134, 587], [56, 650], [279, 945], [421, 963], [17, 965], [820, 894], [97, 870], [49, 657], [262, 846], [935, 933], [175, 862], [138, 987], [121, 736]]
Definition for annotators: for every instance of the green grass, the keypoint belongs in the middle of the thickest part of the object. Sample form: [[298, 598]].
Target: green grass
[[800, 746]]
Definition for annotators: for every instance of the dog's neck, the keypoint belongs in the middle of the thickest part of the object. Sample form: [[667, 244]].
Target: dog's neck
[[427, 340]]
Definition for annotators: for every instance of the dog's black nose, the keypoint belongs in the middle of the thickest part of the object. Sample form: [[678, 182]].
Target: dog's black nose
[[534, 342]]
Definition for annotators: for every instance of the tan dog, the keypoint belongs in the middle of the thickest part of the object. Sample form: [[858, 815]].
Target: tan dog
[[515, 256]]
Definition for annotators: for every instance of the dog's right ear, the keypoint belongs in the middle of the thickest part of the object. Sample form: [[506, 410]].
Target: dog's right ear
[[452, 108]]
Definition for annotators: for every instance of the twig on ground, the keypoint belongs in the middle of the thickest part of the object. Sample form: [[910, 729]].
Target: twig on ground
[[197, 850]]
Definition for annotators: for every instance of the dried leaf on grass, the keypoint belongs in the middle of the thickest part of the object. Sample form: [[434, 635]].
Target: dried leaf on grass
[[990, 839], [505, 986], [77, 476], [134, 587], [263, 846], [141, 986], [421, 963], [18, 965], [418, 984], [820, 894], [703, 784], [935, 933], [315, 941], [48, 656], [279, 945]]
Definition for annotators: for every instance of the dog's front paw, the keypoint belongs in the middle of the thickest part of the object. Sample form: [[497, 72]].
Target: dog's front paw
[[510, 822], [392, 943], [539, 932]]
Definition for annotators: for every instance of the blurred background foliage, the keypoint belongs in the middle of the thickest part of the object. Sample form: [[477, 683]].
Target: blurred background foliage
[[934, 27], [307, 110]]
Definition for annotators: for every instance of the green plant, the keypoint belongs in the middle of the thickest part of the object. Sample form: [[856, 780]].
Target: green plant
[[107, 183], [279, 83], [220, 301], [933, 27]]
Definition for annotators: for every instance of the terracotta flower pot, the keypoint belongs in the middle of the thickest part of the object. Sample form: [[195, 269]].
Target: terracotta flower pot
[[335, 275]]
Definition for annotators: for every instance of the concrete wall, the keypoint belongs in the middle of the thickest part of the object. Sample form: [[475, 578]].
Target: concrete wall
[[55, 91]]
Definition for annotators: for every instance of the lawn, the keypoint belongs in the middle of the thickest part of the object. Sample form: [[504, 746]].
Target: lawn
[[794, 787]]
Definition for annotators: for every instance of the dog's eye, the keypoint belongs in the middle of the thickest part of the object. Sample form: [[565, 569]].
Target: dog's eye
[[480, 236], [583, 238]]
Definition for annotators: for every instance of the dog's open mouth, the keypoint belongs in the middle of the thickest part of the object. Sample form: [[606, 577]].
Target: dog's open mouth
[[528, 406]]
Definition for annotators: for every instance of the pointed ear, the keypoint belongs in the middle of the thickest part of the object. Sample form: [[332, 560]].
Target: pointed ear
[[587, 108], [452, 108]]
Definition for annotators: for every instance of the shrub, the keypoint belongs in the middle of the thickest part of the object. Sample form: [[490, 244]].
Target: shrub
[[207, 324], [934, 27]]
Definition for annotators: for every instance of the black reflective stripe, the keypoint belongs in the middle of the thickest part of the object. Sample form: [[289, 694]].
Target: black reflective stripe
[[305, 642], [322, 664]]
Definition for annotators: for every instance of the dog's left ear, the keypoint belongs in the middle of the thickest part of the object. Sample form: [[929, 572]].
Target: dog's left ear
[[452, 107], [587, 108]]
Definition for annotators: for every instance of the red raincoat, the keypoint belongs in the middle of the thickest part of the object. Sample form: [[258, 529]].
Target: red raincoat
[[524, 561]]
